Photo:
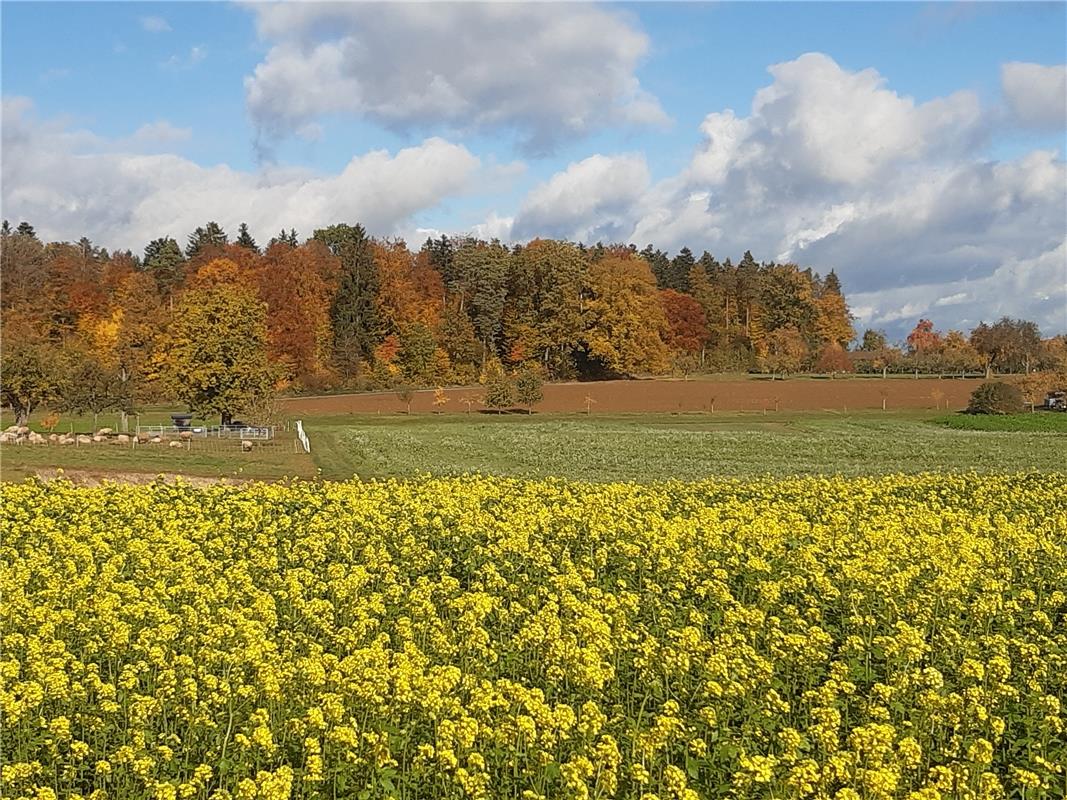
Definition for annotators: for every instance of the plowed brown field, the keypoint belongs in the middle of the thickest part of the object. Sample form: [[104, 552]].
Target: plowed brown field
[[665, 396]]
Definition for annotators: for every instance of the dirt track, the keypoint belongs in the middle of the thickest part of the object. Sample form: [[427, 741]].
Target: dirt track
[[678, 396]]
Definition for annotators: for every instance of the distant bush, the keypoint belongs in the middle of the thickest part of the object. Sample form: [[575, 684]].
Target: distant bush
[[994, 397]]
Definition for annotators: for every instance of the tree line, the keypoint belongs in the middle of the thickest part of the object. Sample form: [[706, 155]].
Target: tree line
[[220, 322]]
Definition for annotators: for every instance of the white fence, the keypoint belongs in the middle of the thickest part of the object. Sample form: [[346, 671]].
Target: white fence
[[303, 437]]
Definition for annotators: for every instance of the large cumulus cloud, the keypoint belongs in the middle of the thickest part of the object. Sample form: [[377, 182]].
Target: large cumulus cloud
[[836, 170], [71, 183], [543, 70]]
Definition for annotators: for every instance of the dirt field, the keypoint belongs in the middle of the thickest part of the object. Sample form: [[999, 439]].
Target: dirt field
[[637, 396]]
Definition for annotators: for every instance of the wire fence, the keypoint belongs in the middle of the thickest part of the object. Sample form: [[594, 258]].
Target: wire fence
[[257, 433]]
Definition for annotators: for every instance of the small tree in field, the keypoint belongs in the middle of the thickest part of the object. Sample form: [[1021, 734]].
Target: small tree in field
[[405, 394], [833, 359], [528, 387], [439, 399], [32, 376], [470, 400], [1033, 387], [91, 385], [499, 391]]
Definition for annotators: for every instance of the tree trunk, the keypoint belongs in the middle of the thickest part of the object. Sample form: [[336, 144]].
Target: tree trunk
[[22, 416], [885, 372], [124, 422], [227, 418]]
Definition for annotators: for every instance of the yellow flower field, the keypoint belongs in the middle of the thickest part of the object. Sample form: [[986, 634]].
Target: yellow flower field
[[900, 637]]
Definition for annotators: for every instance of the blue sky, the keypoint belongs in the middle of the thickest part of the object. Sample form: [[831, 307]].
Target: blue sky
[[242, 97]]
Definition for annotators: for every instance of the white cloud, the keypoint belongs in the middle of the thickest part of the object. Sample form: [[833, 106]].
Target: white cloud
[[547, 71], [155, 24], [160, 132], [196, 54], [590, 200], [835, 170], [1036, 94], [818, 122], [73, 183], [1030, 288]]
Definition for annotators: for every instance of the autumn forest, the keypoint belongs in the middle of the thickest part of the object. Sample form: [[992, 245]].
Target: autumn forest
[[344, 310]]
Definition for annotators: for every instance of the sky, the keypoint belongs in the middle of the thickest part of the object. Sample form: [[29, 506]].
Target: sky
[[917, 149]]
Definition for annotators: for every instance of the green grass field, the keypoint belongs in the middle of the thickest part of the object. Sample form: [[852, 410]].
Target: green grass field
[[624, 447], [655, 447], [1037, 422]]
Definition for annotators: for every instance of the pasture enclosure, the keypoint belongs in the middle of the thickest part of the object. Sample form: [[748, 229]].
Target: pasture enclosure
[[891, 638]]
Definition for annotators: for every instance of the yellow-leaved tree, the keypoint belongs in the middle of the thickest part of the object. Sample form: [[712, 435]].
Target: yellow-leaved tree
[[216, 351], [626, 320]]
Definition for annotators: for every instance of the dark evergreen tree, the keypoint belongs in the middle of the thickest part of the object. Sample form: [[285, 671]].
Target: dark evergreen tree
[[483, 272], [210, 236], [442, 254], [681, 266], [354, 313], [660, 264], [26, 229], [748, 289], [831, 284], [284, 238], [163, 260], [244, 238]]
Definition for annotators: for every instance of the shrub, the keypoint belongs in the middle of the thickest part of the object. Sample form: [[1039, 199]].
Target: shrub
[[994, 397], [499, 390], [528, 389]]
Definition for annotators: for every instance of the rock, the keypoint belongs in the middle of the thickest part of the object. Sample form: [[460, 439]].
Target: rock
[[104, 432], [84, 439], [246, 446], [122, 438]]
